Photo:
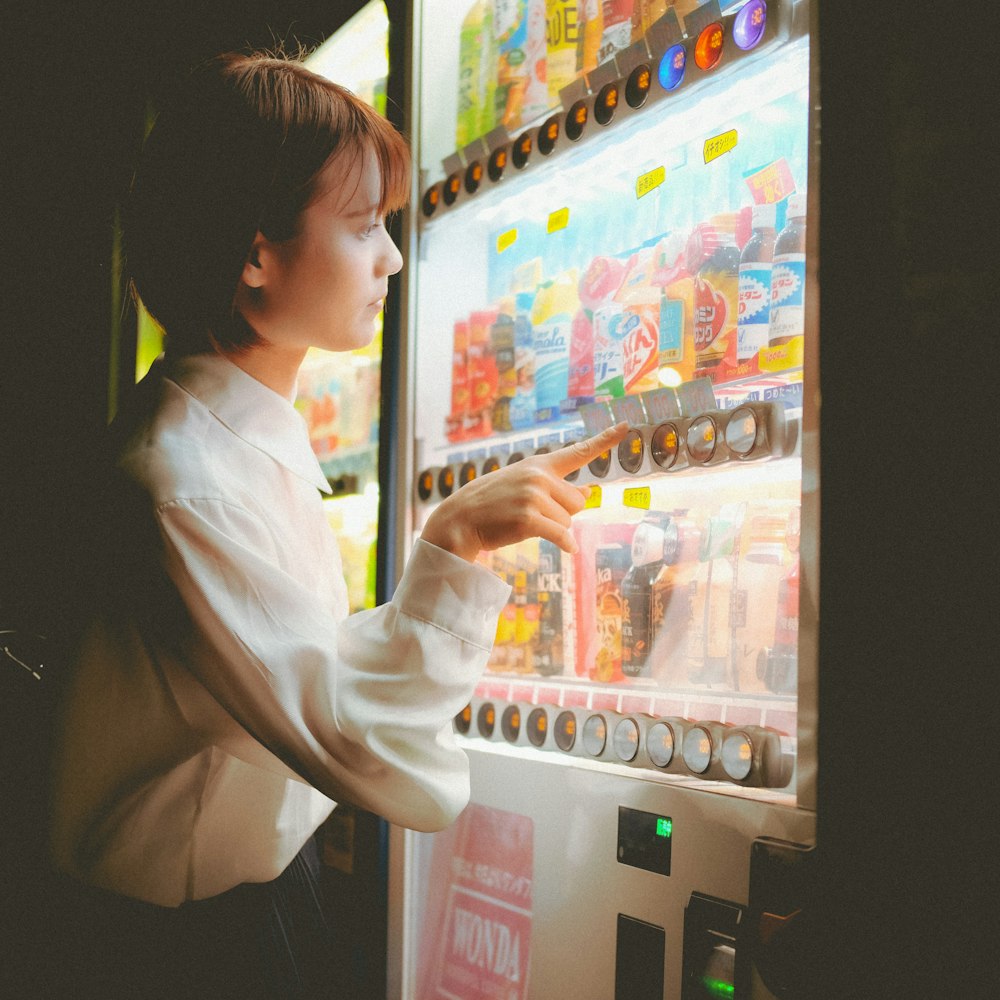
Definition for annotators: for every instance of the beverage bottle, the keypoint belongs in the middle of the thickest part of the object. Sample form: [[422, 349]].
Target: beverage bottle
[[553, 309], [778, 667], [561, 44], [611, 561], [553, 618], [788, 277], [754, 309], [710, 636], [502, 335], [758, 575], [475, 74], [617, 28], [671, 592], [637, 594], [456, 419], [513, 65], [525, 605], [522, 405], [713, 257], [589, 28], [483, 375], [502, 564]]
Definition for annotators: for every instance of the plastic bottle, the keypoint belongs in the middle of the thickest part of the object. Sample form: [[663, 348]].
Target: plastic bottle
[[555, 305], [522, 406], [553, 611], [637, 594], [476, 74], [788, 277], [617, 28], [456, 420], [526, 608], [610, 564], [590, 27], [754, 309], [714, 259], [561, 44], [671, 608], [519, 43]]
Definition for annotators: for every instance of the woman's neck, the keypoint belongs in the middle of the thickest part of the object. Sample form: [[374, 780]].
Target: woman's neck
[[273, 366]]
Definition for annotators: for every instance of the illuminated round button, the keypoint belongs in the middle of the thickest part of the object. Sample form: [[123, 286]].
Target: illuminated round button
[[565, 731], [432, 197], [637, 87], [595, 735], [576, 120], [672, 67], [446, 481], [467, 473], [497, 164], [510, 723], [737, 756], [606, 104], [665, 445], [575, 474], [515, 456], [543, 449], [702, 436], [522, 151], [600, 465], [486, 719], [631, 448], [660, 744], [473, 177], [491, 464], [425, 484], [626, 739], [463, 721], [748, 27], [741, 431], [538, 727], [697, 749], [451, 188], [708, 48], [548, 135]]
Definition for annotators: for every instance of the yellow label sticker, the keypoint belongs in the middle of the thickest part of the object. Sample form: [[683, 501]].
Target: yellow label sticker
[[649, 181], [594, 498], [558, 220], [505, 240], [637, 497], [720, 144], [782, 357]]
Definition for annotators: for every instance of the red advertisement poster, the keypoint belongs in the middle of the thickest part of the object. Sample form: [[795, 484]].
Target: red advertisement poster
[[477, 931]]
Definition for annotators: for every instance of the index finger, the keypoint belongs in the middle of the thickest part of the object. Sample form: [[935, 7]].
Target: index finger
[[579, 453]]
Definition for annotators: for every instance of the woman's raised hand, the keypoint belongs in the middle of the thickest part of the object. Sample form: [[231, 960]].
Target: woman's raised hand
[[528, 499]]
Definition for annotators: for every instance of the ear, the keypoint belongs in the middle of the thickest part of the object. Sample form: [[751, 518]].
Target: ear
[[255, 271]]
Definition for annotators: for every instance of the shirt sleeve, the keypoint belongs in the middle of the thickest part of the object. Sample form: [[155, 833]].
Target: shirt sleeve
[[359, 708]]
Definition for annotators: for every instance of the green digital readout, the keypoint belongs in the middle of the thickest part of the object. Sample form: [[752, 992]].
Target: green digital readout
[[717, 987], [664, 826]]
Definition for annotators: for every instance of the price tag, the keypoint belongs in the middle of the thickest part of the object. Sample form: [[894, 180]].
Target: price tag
[[720, 144], [771, 184], [650, 181], [558, 219], [593, 499], [505, 240], [637, 497]]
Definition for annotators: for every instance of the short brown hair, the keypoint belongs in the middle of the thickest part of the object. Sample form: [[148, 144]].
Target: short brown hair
[[236, 149]]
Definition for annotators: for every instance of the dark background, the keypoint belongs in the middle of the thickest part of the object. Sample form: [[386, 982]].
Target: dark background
[[908, 363]]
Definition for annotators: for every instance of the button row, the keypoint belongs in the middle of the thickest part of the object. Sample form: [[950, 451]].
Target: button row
[[752, 756]]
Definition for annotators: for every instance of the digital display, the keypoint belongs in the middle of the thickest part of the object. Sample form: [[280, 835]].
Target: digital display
[[645, 840], [708, 49]]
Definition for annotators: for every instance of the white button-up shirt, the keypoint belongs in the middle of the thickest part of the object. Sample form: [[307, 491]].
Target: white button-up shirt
[[210, 727]]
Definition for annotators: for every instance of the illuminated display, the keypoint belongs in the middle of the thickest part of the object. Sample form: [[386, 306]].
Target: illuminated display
[[660, 744], [486, 720], [664, 826], [606, 103], [672, 67], [451, 188], [522, 151], [446, 481], [697, 750], [548, 135], [748, 27], [630, 451], [576, 120], [626, 739], [473, 177], [467, 473], [463, 721], [595, 735], [431, 199], [497, 164], [737, 756], [565, 731], [637, 88], [425, 485], [741, 431], [664, 446], [510, 724], [538, 725], [701, 438], [600, 465], [708, 49], [491, 464]]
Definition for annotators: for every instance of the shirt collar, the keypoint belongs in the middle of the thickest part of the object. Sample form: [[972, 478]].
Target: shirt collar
[[258, 415]]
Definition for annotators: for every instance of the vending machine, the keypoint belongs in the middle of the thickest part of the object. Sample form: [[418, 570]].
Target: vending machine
[[616, 220]]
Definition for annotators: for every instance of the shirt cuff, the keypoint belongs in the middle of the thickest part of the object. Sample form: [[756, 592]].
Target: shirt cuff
[[457, 596]]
